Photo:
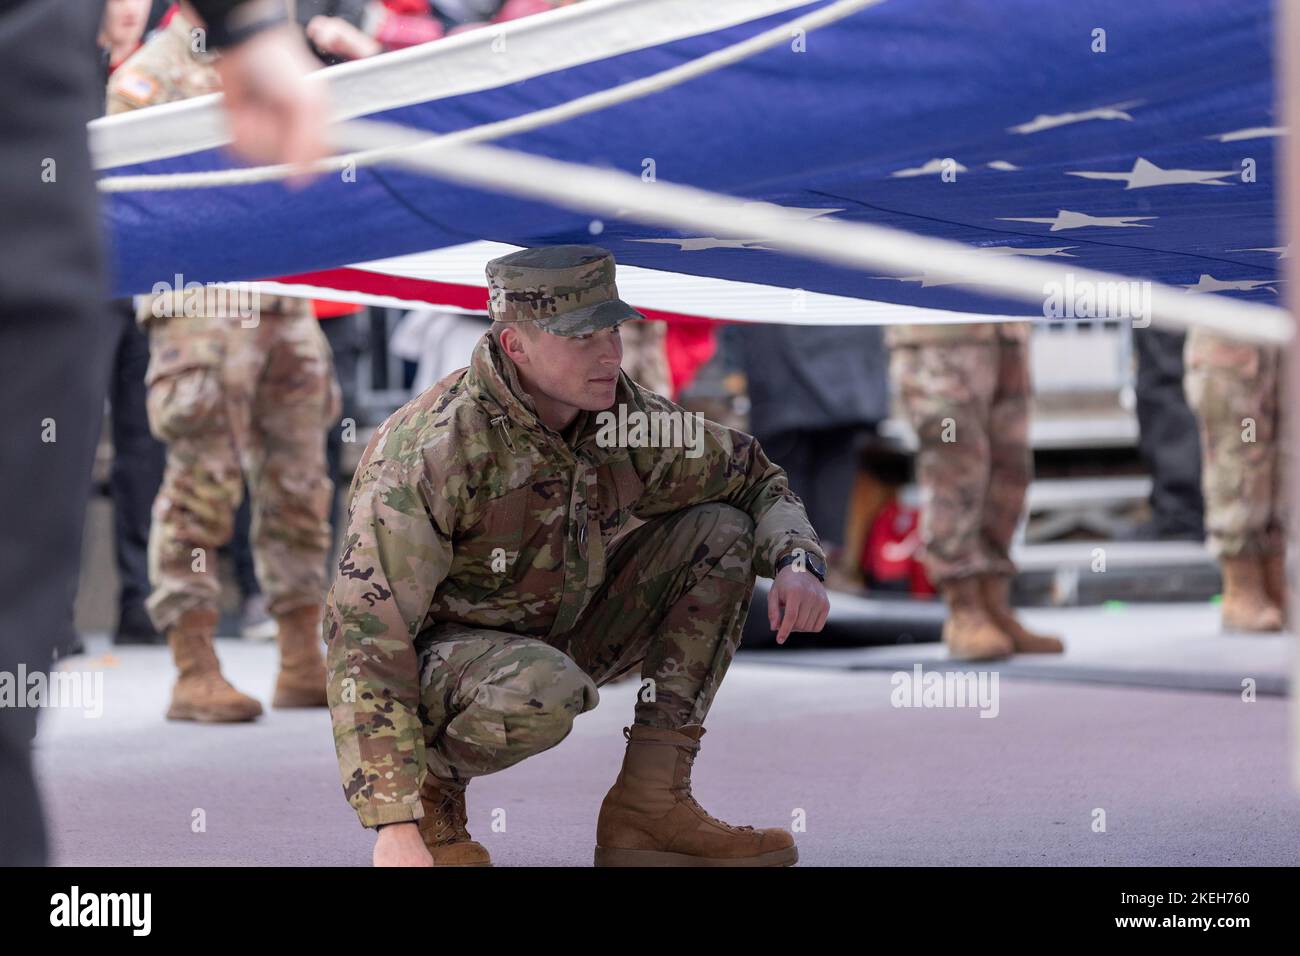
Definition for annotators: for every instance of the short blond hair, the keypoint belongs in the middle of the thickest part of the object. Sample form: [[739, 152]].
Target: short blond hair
[[527, 329]]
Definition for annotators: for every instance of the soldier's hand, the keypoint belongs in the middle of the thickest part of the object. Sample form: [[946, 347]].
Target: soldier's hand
[[796, 602], [400, 844], [335, 35], [275, 114]]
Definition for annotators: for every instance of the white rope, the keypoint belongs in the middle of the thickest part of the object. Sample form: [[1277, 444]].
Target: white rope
[[591, 103], [621, 195]]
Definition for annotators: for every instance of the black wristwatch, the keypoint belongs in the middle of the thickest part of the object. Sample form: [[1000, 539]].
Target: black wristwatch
[[810, 562]]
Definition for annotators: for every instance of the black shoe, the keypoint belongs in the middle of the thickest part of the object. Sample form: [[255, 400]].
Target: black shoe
[[70, 648], [134, 627]]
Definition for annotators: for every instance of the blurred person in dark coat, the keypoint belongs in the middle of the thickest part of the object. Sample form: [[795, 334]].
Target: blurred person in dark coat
[[52, 310], [816, 393]]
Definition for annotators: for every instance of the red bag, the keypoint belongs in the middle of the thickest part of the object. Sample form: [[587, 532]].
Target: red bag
[[891, 553]]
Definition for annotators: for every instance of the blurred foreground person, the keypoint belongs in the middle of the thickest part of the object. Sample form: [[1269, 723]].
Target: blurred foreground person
[[487, 587], [966, 390], [235, 387], [1235, 389], [51, 306]]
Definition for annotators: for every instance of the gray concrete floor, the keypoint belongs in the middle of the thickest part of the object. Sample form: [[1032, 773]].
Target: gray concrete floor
[[1185, 777]]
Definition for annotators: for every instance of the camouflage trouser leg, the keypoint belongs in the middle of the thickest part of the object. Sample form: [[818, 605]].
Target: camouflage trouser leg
[[1234, 389], [228, 399], [1011, 462], [488, 699], [293, 399], [674, 598], [202, 483], [973, 460]]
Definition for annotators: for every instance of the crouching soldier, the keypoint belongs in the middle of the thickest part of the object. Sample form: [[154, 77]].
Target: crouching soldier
[[508, 551]]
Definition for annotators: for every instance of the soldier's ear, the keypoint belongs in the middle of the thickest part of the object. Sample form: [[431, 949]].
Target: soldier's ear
[[512, 343]]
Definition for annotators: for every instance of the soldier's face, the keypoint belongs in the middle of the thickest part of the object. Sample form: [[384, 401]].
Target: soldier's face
[[124, 21], [580, 371]]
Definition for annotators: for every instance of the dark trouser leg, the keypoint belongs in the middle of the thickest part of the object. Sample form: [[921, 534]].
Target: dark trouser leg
[[1167, 433], [138, 459], [675, 596], [820, 465], [345, 345], [241, 550]]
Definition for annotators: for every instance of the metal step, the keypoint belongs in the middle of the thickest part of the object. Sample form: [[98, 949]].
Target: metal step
[[1057, 493]]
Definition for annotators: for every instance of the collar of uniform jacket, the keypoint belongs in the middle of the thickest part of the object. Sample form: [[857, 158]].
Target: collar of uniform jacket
[[493, 381]]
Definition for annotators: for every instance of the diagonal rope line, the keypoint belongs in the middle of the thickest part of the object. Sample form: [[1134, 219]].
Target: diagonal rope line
[[620, 195], [583, 105]]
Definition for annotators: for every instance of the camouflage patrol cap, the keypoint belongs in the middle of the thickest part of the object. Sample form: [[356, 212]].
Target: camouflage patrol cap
[[566, 290]]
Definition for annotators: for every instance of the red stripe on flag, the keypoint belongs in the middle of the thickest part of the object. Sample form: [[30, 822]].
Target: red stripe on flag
[[690, 342]]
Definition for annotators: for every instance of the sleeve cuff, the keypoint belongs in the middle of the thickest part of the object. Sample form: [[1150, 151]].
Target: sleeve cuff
[[372, 816], [766, 567]]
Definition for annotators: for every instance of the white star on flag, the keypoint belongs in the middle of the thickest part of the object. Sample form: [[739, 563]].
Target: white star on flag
[[1044, 121], [927, 280], [1018, 251], [933, 166], [700, 243], [1065, 219], [1254, 132], [1282, 252], [1145, 174], [1207, 283]]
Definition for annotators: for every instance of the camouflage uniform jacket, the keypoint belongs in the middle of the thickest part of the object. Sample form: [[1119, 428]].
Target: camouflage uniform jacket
[[466, 509]]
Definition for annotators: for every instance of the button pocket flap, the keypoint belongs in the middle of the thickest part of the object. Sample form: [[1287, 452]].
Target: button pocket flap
[[181, 352]]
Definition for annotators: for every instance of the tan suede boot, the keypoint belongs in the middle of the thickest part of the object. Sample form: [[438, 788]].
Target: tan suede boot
[[1246, 603], [970, 631], [649, 817], [1275, 582], [996, 589], [201, 693], [301, 681], [443, 825]]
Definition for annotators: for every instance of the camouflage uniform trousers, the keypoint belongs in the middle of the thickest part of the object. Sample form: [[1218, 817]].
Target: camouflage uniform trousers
[[674, 600], [1235, 390], [968, 402], [230, 401]]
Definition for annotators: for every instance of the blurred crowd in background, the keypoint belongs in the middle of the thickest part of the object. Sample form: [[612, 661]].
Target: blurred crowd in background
[[859, 420]]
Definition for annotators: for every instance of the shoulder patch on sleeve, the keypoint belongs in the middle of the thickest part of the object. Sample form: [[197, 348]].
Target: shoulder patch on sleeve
[[135, 87]]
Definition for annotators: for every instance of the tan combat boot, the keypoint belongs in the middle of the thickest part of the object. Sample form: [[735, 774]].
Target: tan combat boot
[[970, 631], [1246, 603], [996, 589], [443, 825], [649, 817], [201, 693], [301, 681], [1275, 582]]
